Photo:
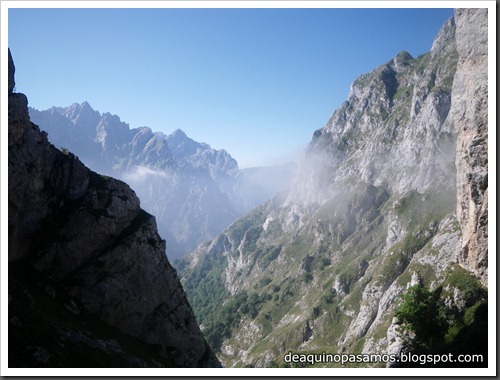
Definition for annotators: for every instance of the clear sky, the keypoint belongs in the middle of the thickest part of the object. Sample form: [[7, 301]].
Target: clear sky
[[256, 82]]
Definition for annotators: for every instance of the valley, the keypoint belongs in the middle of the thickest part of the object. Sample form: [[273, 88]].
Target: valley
[[371, 218]]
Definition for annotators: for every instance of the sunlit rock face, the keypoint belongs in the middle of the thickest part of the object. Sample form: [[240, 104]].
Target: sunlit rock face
[[392, 192], [470, 116], [86, 235]]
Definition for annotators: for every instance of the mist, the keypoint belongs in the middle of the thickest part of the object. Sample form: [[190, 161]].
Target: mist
[[143, 174]]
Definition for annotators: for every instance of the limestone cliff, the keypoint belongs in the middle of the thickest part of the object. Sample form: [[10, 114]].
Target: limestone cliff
[[470, 117], [86, 239]]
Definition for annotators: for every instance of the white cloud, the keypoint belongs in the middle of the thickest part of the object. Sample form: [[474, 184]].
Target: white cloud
[[140, 173]]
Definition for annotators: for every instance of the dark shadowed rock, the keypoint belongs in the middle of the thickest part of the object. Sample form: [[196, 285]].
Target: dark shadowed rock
[[87, 234], [12, 70]]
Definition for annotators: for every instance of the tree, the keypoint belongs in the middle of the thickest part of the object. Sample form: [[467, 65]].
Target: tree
[[422, 315]]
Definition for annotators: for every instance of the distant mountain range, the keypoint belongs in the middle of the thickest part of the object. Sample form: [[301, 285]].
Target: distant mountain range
[[194, 191]]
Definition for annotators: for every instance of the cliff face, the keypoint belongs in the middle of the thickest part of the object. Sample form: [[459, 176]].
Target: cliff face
[[86, 235], [470, 117], [373, 211]]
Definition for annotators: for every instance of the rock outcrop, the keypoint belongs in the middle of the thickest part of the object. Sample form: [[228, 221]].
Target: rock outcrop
[[87, 235], [470, 117]]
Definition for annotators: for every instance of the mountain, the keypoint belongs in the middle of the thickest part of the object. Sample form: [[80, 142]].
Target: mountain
[[380, 246], [193, 190], [89, 282]]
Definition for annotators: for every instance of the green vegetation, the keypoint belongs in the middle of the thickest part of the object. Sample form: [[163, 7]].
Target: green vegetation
[[423, 315], [470, 287], [268, 255], [325, 262], [405, 58], [263, 281], [217, 311], [251, 236], [446, 83], [204, 287], [404, 92], [220, 324], [441, 329], [421, 214], [249, 225], [422, 63]]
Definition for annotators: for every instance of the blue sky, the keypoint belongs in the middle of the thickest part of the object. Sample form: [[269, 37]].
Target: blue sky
[[256, 82]]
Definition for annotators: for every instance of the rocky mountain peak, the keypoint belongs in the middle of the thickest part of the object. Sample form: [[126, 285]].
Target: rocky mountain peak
[[403, 56], [86, 106], [182, 146], [82, 115], [178, 134], [402, 61]]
